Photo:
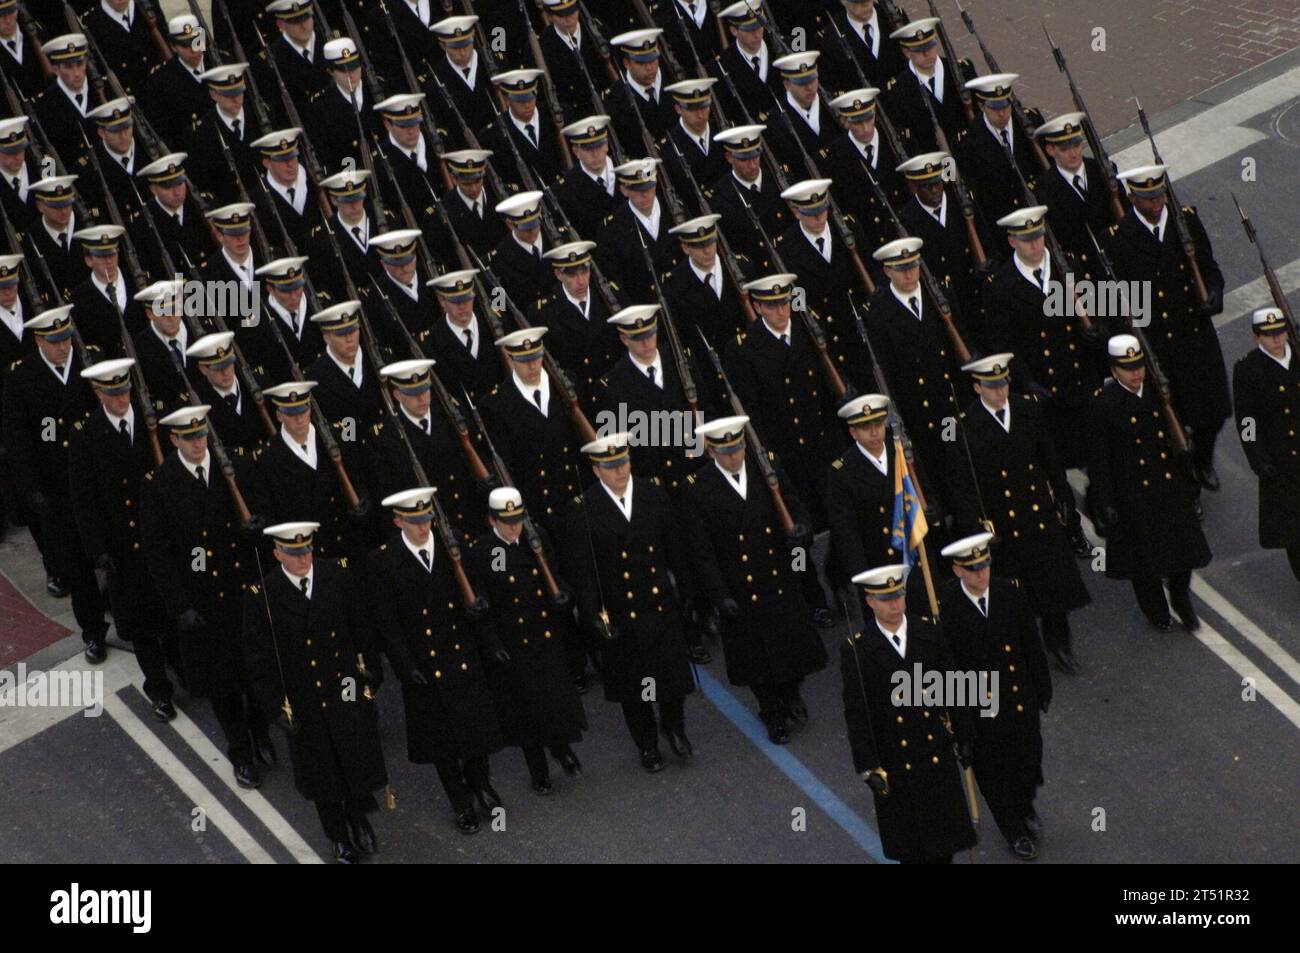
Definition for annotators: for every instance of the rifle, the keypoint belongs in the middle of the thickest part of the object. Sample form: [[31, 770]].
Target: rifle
[[1017, 109], [589, 24], [495, 182], [548, 88], [480, 38], [1178, 436], [836, 217], [209, 46], [258, 103], [34, 42], [128, 345], [580, 422], [356, 503], [151, 21], [882, 118], [93, 73], [1176, 212], [412, 84], [1270, 276], [964, 199], [724, 246], [929, 283], [1090, 130], [950, 55], [761, 458], [813, 326], [675, 348], [530, 530]]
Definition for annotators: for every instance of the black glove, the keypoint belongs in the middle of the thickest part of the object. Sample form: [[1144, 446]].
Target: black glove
[[878, 784], [1041, 392], [501, 655], [729, 608], [478, 609], [374, 677], [1213, 305], [965, 753], [967, 70], [38, 503], [561, 599], [252, 530], [359, 512], [104, 563], [190, 621], [289, 726], [1109, 516], [1033, 118], [799, 535], [489, 483], [1043, 707], [1267, 471], [1092, 334], [417, 678]]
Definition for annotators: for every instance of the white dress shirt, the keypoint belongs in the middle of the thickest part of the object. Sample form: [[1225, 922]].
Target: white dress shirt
[[182, 339], [421, 155], [115, 421], [1285, 359], [299, 200], [415, 551], [997, 133], [626, 506], [472, 77], [975, 600], [1027, 271], [897, 640], [583, 306], [13, 320], [782, 336], [119, 289], [1160, 227], [860, 30], [67, 366], [544, 385], [1069, 178], [651, 223], [657, 365], [812, 115], [763, 59], [925, 80], [881, 462], [716, 274], [205, 463], [296, 581], [354, 372], [72, 96], [825, 237], [1005, 422], [906, 300], [307, 456], [940, 214], [741, 486], [459, 332]]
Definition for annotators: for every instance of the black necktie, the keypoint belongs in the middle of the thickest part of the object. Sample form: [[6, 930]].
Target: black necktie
[[1156, 231], [352, 373], [306, 54], [304, 448], [930, 83], [302, 584], [915, 304], [753, 61], [125, 430], [1001, 414], [77, 98], [111, 291], [984, 606], [871, 156], [291, 191], [63, 240], [1006, 140], [198, 473], [898, 643], [821, 247], [1038, 276], [870, 34], [654, 98], [58, 369], [237, 127], [537, 398], [785, 338], [12, 45], [232, 401], [1079, 184], [469, 338], [176, 219], [650, 372], [424, 558], [532, 136], [126, 162], [15, 183], [736, 478], [293, 324], [176, 351], [424, 425], [465, 70], [356, 233]]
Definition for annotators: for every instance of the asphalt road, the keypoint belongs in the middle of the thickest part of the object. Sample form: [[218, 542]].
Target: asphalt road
[[1154, 737]]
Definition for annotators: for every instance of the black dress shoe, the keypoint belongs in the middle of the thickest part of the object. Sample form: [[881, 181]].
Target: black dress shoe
[[580, 683], [1024, 848], [652, 760], [777, 731], [1064, 661], [246, 775], [699, 654], [822, 617], [363, 835], [1080, 544], [487, 797], [796, 707], [164, 710], [568, 760], [542, 786], [467, 822], [345, 853], [1199, 511], [264, 750], [1182, 606], [1210, 479], [713, 625], [1035, 824], [96, 651], [679, 744], [55, 587], [1161, 625]]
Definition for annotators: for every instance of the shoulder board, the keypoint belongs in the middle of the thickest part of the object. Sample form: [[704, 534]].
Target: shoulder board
[[1189, 209], [892, 83], [1015, 582], [656, 481], [771, 455], [239, 451], [428, 210], [253, 588], [343, 561], [838, 464], [740, 337], [77, 425], [1114, 229], [577, 500], [377, 428], [496, 388], [383, 547], [149, 475], [15, 365], [257, 452], [779, 239]]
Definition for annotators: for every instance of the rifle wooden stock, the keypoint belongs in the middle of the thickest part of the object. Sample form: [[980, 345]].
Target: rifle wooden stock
[[949, 54], [34, 42], [548, 88], [1270, 276], [151, 22]]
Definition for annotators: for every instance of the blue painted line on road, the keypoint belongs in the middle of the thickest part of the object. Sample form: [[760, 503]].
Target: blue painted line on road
[[863, 834]]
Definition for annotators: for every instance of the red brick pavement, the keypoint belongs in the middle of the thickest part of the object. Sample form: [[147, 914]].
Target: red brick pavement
[[24, 629], [1169, 50]]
